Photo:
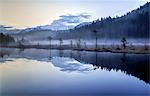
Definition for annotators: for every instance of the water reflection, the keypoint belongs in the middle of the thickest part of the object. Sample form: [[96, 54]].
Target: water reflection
[[24, 77], [132, 64], [70, 64], [50, 55], [124, 58], [60, 53]]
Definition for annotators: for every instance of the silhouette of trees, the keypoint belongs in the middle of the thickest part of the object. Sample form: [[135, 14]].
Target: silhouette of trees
[[6, 39], [124, 42], [95, 32]]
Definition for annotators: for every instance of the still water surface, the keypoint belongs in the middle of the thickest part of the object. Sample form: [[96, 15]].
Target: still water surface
[[64, 72]]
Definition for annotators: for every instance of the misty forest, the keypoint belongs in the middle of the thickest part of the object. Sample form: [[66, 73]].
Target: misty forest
[[110, 34]]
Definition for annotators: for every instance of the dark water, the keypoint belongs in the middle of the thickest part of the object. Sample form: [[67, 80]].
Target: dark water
[[65, 72]]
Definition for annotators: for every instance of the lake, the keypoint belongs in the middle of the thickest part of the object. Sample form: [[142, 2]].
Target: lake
[[43, 72]]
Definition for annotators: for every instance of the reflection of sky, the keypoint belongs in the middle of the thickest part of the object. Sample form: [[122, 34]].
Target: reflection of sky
[[27, 13], [31, 76], [69, 64]]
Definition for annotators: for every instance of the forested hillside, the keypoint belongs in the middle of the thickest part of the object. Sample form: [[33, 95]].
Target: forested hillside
[[134, 24]]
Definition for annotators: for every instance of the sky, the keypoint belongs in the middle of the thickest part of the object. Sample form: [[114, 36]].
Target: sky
[[30, 13]]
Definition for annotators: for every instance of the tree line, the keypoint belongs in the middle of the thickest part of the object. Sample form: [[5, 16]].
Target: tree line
[[6, 39]]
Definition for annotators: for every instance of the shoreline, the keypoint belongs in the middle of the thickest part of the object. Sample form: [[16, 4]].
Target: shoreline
[[102, 48]]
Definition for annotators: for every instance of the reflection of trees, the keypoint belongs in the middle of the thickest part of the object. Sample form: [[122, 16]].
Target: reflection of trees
[[124, 58], [79, 54], [50, 55], [71, 53], [21, 50], [60, 53], [137, 66], [96, 61]]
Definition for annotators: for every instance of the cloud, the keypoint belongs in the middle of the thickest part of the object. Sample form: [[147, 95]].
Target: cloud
[[69, 21], [2, 27]]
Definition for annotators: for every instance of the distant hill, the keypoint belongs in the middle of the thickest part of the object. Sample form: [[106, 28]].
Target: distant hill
[[35, 35], [134, 24], [83, 24]]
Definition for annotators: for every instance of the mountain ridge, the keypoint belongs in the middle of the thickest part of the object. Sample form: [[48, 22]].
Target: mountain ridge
[[134, 24]]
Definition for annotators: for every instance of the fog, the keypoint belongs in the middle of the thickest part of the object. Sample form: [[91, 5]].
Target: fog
[[91, 42]]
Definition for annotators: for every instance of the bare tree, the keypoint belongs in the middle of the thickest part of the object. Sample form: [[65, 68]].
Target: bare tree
[[21, 44], [50, 39], [22, 39], [95, 32], [79, 43], [60, 43], [85, 45], [124, 42], [71, 44]]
